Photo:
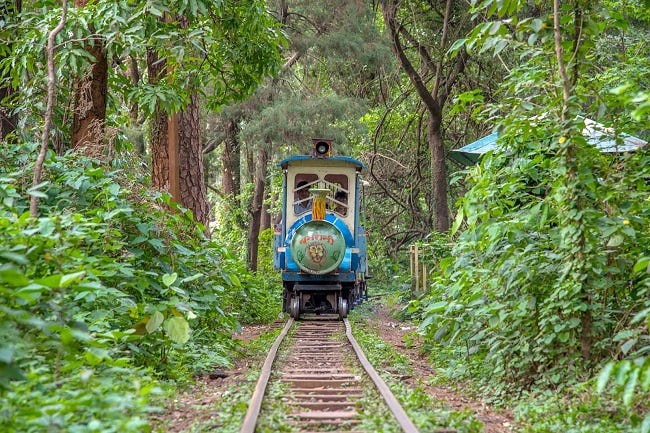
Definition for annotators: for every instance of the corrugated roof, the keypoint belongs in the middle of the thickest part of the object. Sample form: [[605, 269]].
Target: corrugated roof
[[597, 134]]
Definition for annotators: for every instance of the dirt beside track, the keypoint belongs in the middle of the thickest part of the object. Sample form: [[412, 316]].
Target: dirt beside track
[[393, 332]]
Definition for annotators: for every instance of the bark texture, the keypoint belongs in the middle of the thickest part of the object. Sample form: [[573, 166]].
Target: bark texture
[[159, 129], [257, 206], [89, 116], [193, 192], [231, 160]]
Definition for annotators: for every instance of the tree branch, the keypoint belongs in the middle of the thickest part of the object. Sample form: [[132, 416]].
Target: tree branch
[[51, 83]]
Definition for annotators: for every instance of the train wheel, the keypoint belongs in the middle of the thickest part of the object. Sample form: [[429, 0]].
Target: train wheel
[[294, 308], [343, 308]]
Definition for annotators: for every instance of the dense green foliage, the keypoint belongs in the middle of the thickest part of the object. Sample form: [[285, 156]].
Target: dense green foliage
[[111, 288], [548, 280], [222, 50]]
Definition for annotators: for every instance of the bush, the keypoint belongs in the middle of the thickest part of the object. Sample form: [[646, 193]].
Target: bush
[[111, 285]]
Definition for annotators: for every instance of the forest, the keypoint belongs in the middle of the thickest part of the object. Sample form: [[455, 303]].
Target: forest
[[139, 185]]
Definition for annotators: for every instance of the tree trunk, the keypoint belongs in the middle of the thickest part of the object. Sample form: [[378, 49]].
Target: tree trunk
[[439, 167], [193, 192], [159, 129], [433, 99], [176, 151], [89, 116], [8, 121], [265, 218], [231, 160], [134, 75], [256, 208], [49, 108]]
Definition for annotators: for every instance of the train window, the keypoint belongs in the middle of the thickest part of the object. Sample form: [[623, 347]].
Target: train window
[[301, 195], [340, 204], [338, 199]]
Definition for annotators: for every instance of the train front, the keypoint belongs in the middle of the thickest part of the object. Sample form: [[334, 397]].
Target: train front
[[320, 246]]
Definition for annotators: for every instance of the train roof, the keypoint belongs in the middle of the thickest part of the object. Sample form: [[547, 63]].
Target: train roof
[[345, 159]]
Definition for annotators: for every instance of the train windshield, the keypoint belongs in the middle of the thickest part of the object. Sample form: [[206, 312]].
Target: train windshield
[[337, 197]]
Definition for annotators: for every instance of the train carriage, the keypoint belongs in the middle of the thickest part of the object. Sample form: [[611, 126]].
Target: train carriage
[[320, 245]]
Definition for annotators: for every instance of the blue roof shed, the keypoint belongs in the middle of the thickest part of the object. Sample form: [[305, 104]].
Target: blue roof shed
[[596, 134]]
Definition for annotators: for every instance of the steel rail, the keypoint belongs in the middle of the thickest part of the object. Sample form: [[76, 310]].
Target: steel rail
[[250, 420], [392, 402]]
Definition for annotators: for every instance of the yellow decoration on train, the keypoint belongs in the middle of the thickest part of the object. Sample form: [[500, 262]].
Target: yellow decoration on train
[[318, 206]]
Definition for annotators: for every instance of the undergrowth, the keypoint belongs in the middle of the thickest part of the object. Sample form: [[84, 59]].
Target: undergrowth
[[112, 295]]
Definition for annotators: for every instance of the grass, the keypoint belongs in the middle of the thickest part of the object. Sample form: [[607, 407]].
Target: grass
[[427, 413]]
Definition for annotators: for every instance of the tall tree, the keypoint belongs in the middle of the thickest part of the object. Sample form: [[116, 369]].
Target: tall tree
[[434, 75], [231, 159], [193, 192], [553, 228], [89, 118], [257, 205], [163, 161], [229, 70], [334, 55], [51, 89]]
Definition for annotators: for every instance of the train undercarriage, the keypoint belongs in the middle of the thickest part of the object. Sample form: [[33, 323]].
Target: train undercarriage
[[319, 298]]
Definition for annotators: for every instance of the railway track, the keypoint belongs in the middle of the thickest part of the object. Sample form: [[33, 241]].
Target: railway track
[[323, 388]]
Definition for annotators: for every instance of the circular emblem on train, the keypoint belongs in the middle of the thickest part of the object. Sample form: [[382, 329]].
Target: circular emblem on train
[[318, 247]]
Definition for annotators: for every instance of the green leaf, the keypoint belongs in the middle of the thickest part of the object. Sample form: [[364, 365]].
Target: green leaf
[[14, 257], [630, 385], [645, 426], [615, 241], [46, 227], [643, 264], [6, 355], [437, 307], [154, 321], [185, 251], [96, 355], [169, 279], [13, 277], [604, 376], [34, 191], [51, 281], [628, 345], [638, 317], [68, 279], [191, 278], [156, 243], [457, 45], [457, 221], [11, 372], [536, 24], [31, 292], [234, 279], [178, 330]]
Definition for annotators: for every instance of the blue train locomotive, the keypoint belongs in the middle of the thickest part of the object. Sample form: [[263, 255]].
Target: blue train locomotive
[[320, 245]]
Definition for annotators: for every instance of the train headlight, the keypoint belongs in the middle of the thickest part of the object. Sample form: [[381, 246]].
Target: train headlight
[[322, 148]]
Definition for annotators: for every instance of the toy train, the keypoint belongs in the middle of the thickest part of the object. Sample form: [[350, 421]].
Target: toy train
[[320, 245]]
